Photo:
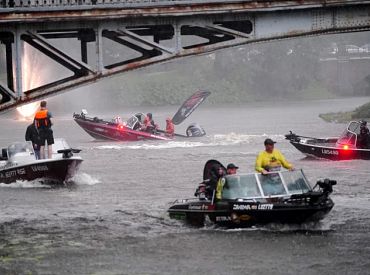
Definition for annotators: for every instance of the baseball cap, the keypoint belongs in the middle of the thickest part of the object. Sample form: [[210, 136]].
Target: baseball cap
[[269, 141], [232, 166]]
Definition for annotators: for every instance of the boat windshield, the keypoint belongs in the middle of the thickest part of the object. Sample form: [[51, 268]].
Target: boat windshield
[[20, 149], [349, 136], [272, 184], [135, 120], [295, 182], [275, 184], [131, 122], [243, 186]]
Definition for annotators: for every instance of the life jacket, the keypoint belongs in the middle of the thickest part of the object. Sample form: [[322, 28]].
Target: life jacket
[[42, 120], [149, 123]]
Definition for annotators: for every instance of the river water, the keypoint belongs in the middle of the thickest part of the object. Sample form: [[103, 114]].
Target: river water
[[112, 219]]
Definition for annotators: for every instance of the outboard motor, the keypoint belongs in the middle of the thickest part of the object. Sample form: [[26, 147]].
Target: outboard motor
[[195, 130], [68, 153], [213, 170]]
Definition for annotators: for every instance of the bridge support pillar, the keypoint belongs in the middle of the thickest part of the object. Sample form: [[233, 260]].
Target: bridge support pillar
[[178, 44], [18, 63], [99, 49]]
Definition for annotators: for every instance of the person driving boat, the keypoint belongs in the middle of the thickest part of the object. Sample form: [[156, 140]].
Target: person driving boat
[[149, 124], [271, 159], [363, 137]]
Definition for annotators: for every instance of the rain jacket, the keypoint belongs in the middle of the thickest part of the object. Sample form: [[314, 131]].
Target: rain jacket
[[271, 161], [220, 187]]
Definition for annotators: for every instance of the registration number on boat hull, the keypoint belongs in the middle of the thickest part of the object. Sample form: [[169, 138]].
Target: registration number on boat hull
[[330, 152]]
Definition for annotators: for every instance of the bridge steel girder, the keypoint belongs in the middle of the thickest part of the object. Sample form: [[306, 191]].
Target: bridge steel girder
[[159, 34]]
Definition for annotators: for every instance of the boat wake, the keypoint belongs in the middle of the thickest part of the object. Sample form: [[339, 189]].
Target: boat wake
[[25, 184], [85, 179], [79, 179], [235, 139], [216, 140], [309, 227]]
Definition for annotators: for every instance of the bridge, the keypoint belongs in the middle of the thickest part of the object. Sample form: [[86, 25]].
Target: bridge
[[149, 32]]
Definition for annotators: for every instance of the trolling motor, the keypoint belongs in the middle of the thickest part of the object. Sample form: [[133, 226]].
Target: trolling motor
[[326, 185], [68, 153], [292, 137]]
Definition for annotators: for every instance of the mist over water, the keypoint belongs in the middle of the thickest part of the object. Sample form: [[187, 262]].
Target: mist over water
[[298, 69], [113, 220]]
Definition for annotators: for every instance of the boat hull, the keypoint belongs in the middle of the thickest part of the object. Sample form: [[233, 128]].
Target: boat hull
[[49, 171], [105, 131], [331, 152], [242, 214]]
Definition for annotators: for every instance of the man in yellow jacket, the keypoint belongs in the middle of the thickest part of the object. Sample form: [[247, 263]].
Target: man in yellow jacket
[[271, 159]]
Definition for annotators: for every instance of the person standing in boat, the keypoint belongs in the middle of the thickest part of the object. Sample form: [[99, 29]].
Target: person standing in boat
[[170, 128], [271, 159], [363, 137], [32, 134], [43, 125]]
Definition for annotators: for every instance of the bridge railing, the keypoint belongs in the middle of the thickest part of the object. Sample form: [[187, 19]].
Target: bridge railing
[[73, 3]]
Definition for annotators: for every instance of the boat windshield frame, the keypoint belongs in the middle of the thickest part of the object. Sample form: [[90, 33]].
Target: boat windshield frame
[[20, 147], [280, 177], [349, 136], [133, 120]]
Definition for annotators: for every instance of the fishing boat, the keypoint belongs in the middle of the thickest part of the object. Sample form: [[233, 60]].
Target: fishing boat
[[249, 199], [131, 129], [18, 163], [345, 147]]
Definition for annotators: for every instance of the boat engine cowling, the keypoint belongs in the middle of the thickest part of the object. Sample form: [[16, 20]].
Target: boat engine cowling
[[195, 130]]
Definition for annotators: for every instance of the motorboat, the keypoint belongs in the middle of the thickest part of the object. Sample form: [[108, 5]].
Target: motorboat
[[127, 131], [345, 147], [284, 197], [19, 163], [131, 130]]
